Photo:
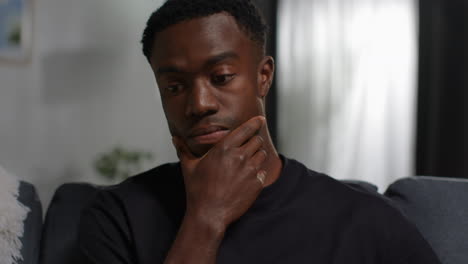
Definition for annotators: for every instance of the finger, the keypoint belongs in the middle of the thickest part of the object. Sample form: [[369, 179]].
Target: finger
[[183, 152], [258, 158], [245, 131], [252, 146]]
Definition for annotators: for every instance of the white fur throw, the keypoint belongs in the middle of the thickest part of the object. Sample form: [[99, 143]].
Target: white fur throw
[[12, 216]]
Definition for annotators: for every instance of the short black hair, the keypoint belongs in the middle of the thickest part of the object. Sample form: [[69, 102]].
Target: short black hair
[[246, 14]]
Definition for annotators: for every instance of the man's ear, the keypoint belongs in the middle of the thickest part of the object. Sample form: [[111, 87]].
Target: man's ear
[[266, 73]]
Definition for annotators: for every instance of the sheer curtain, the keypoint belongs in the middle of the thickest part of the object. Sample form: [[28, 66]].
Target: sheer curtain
[[346, 86]]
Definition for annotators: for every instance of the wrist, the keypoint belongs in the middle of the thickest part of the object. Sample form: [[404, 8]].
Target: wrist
[[197, 241], [209, 227]]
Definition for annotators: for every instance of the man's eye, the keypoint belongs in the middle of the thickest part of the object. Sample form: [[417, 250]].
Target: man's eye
[[222, 78], [175, 88]]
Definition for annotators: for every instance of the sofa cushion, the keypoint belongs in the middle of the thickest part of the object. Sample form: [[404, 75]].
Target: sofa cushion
[[438, 207]]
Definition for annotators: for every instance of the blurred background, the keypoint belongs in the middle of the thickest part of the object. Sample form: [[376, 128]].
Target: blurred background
[[365, 89]]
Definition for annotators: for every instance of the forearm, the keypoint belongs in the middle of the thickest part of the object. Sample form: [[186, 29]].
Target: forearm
[[220, 187], [197, 241]]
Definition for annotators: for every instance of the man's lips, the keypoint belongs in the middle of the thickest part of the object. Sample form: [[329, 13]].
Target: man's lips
[[208, 134]]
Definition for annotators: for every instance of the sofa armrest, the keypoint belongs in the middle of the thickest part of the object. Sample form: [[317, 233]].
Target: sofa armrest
[[438, 207]]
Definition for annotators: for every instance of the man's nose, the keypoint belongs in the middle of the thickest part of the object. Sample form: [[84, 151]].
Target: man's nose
[[202, 101]]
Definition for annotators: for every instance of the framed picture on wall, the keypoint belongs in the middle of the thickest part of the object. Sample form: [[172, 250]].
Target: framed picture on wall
[[15, 30]]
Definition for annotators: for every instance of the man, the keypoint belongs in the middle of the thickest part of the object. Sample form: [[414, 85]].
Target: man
[[232, 198]]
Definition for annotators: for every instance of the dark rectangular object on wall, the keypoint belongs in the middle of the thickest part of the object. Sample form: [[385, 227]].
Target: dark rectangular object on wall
[[442, 129]]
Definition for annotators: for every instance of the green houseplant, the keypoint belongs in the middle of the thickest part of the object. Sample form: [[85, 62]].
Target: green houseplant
[[120, 163]]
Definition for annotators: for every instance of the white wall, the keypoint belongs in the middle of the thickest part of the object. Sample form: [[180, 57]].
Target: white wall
[[86, 89]]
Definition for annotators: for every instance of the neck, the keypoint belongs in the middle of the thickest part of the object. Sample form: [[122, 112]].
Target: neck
[[272, 164]]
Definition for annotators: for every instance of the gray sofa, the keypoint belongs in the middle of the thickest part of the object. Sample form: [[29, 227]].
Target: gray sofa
[[32, 224], [437, 206]]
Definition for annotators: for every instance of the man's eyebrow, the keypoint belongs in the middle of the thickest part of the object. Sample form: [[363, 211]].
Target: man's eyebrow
[[210, 62], [168, 69], [220, 57]]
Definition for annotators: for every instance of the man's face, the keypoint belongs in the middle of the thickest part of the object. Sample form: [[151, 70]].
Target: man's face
[[210, 78]]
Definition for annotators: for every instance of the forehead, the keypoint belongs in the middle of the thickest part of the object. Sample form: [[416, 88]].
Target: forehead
[[196, 40]]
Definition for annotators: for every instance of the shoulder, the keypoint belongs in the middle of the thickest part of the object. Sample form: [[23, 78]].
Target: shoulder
[[120, 215], [163, 175], [155, 181], [324, 185], [351, 199], [371, 216], [363, 213], [154, 187]]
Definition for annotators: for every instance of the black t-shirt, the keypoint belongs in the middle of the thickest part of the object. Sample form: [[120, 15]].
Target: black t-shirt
[[304, 217]]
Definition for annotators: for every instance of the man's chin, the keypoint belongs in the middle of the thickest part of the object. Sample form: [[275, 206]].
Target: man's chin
[[200, 150]]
